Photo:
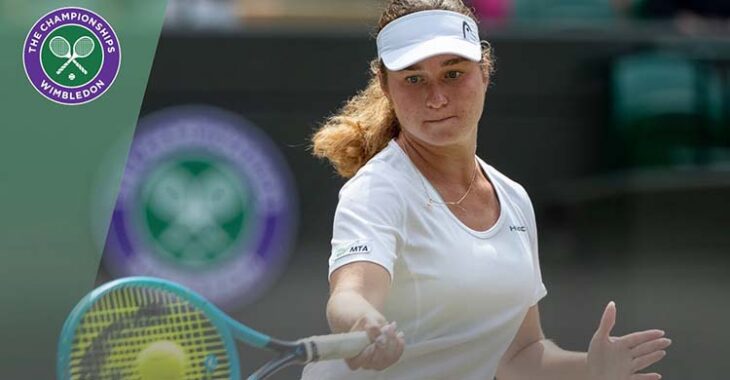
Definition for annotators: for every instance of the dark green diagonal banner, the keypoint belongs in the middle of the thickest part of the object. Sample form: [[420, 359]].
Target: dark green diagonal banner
[[73, 75]]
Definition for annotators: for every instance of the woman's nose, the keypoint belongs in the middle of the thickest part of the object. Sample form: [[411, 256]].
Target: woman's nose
[[436, 97]]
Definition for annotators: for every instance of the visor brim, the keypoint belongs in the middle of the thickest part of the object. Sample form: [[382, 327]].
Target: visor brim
[[399, 59]]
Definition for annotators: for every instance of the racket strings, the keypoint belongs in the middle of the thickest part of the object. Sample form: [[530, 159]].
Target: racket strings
[[152, 334], [83, 47], [126, 321], [59, 47]]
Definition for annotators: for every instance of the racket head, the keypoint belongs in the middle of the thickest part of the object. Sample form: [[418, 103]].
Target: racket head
[[83, 47], [59, 46], [108, 329]]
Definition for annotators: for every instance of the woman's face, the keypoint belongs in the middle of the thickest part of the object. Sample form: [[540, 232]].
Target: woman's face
[[438, 100]]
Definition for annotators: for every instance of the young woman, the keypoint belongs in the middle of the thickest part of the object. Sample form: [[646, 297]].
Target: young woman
[[428, 235]]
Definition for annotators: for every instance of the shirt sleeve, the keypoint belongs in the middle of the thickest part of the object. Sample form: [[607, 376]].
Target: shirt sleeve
[[368, 223], [540, 289]]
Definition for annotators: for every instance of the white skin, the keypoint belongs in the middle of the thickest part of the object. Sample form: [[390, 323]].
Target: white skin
[[438, 102]]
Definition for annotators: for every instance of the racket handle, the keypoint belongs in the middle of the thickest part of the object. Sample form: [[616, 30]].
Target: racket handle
[[335, 346], [63, 67], [82, 68]]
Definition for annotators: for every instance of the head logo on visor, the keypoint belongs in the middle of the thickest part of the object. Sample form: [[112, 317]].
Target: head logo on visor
[[469, 33], [420, 35]]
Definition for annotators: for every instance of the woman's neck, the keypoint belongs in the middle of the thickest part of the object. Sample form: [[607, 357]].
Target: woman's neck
[[442, 165]]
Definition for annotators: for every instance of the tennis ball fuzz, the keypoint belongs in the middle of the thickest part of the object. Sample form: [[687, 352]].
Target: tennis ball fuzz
[[161, 360]]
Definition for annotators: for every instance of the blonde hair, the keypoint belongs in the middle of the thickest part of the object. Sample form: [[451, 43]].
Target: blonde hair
[[367, 121]]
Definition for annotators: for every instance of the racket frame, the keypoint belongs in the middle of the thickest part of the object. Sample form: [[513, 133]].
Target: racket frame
[[211, 312], [289, 352], [50, 47]]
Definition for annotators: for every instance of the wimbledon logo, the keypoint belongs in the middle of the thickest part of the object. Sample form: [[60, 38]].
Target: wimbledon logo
[[71, 56], [207, 200]]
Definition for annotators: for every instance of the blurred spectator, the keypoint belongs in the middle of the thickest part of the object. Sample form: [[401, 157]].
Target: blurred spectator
[[492, 10], [202, 14], [662, 9], [310, 12], [690, 16]]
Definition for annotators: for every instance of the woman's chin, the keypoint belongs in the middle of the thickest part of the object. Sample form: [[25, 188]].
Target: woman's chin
[[445, 135]]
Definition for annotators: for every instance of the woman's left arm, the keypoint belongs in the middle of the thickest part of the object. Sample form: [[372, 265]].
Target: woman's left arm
[[531, 356]]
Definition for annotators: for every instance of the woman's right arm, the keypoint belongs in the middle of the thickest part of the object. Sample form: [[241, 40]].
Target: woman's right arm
[[357, 293]]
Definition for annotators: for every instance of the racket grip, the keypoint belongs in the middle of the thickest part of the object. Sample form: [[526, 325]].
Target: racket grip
[[336, 346], [63, 67]]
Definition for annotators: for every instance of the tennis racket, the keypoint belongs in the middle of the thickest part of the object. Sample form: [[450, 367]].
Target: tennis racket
[[146, 328], [83, 47]]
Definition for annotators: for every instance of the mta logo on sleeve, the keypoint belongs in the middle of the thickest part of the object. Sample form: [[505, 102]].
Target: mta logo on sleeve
[[348, 248]]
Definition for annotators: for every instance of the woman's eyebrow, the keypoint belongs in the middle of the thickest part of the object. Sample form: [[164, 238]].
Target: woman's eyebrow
[[453, 61], [449, 62]]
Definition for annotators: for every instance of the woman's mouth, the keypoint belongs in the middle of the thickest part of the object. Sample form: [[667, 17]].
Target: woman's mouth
[[440, 120]]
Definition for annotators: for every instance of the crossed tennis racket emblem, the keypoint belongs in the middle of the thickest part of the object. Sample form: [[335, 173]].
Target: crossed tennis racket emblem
[[195, 208], [61, 48]]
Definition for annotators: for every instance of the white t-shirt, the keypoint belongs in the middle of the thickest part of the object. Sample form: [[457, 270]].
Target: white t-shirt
[[459, 295]]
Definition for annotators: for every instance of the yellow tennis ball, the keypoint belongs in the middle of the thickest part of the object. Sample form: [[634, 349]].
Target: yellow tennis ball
[[162, 360]]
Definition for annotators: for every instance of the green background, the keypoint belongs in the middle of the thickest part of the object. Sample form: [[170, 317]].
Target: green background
[[50, 163]]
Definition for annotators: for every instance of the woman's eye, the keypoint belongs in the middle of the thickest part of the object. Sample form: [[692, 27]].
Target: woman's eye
[[413, 79], [453, 74]]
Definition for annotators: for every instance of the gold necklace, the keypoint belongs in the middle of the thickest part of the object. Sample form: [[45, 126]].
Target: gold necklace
[[468, 189], [452, 203]]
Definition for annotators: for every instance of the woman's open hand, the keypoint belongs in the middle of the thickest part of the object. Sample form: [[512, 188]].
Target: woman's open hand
[[621, 358]]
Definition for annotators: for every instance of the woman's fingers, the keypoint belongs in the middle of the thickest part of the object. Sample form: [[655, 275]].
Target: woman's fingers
[[634, 339], [361, 360], [608, 320], [650, 346], [380, 359], [400, 344], [393, 351], [373, 332], [373, 328], [646, 360], [394, 344], [386, 348]]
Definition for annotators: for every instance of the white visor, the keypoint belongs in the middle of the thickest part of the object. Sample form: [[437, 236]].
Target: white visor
[[417, 36]]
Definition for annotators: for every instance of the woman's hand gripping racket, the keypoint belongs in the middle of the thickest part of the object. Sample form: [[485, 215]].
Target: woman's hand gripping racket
[[150, 329]]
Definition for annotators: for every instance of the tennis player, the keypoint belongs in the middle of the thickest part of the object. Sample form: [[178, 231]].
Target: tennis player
[[428, 235]]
